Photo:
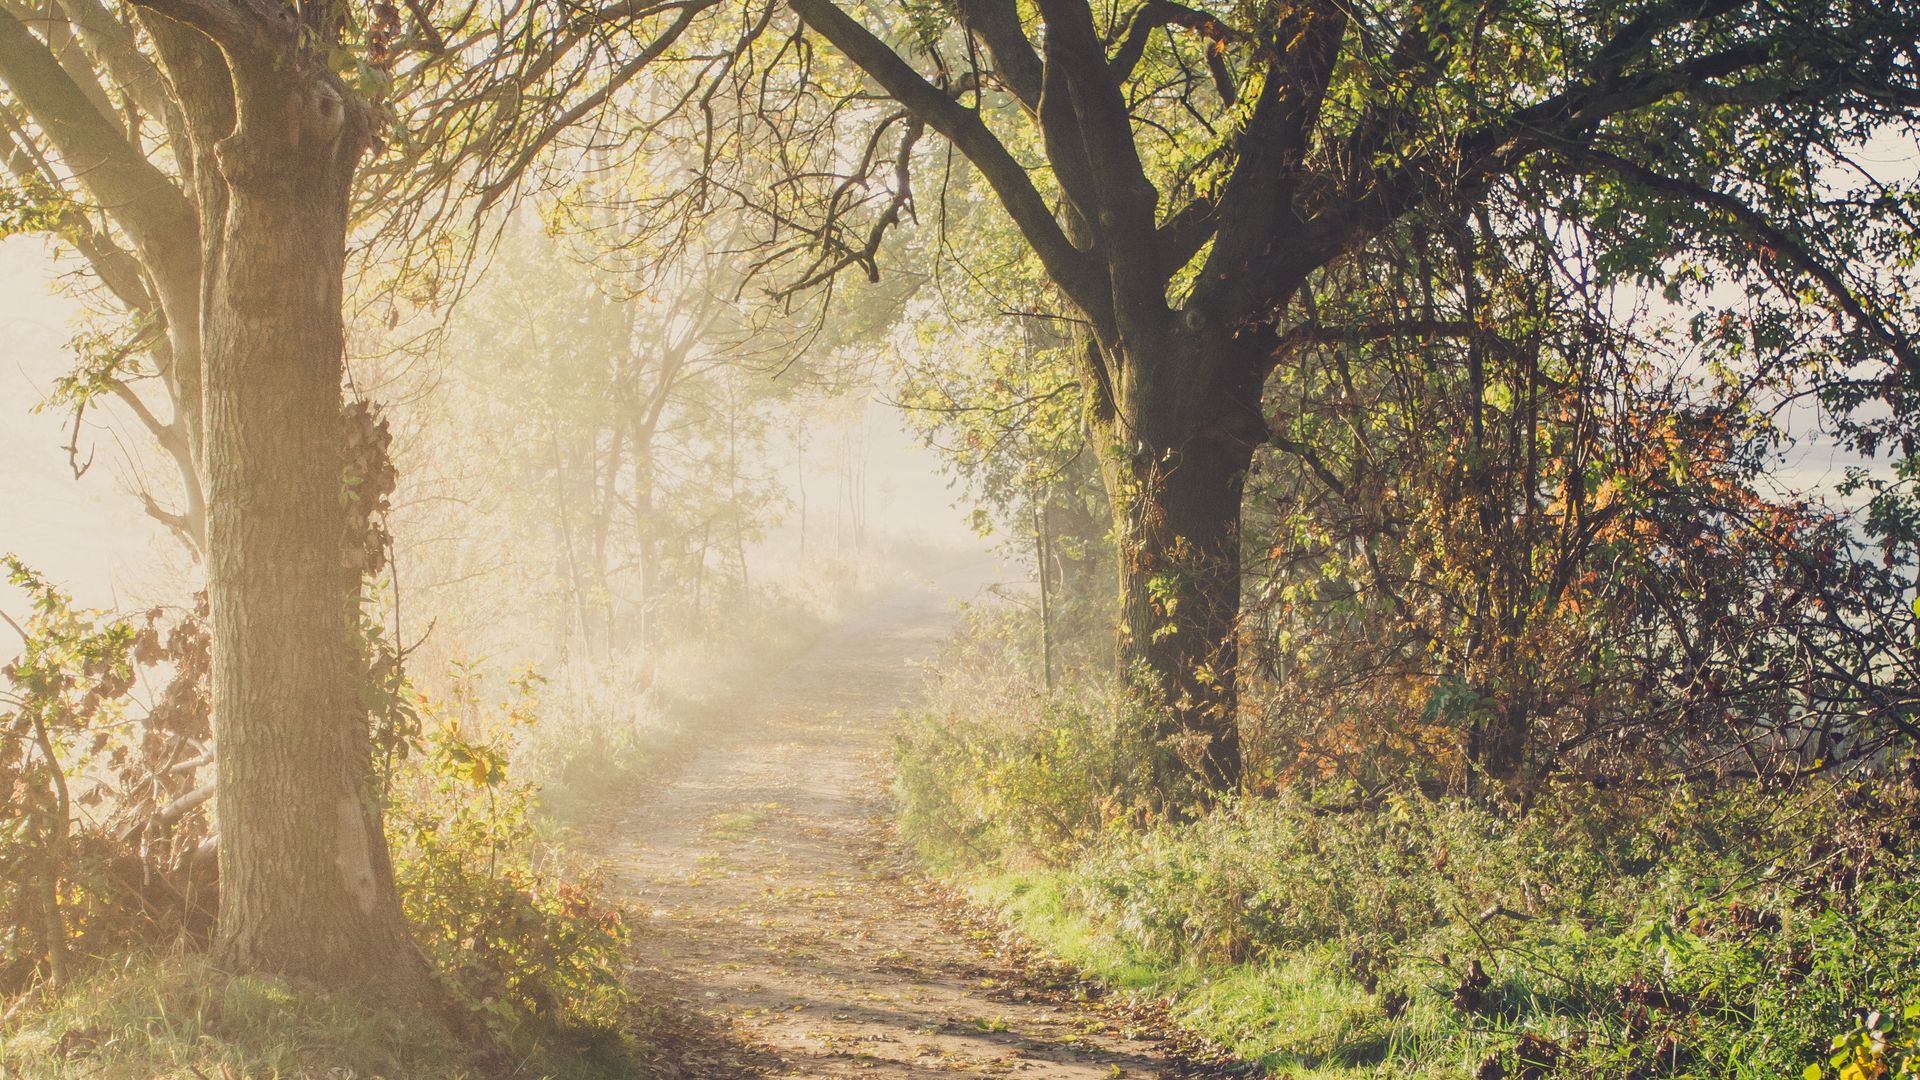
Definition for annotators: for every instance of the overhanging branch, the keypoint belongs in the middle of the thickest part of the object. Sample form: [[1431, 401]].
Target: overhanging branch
[[1071, 270], [1757, 225], [1154, 14]]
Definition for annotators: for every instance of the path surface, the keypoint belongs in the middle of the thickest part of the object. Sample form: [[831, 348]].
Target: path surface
[[779, 909]]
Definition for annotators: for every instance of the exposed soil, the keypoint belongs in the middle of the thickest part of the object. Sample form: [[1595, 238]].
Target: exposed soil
[[780, 908]]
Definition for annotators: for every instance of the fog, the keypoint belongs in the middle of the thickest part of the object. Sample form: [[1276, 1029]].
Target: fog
[[835, 540], [88, 534], [851, 498]]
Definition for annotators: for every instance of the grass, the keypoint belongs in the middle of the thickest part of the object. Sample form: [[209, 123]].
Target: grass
[[152, 1018], [1667, 930], [1621, 973], [1294, 1016]]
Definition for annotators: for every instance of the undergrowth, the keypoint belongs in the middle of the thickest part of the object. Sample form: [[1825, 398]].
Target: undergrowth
[[486, 776], [1681, 931], [513, 918], [516, 920]]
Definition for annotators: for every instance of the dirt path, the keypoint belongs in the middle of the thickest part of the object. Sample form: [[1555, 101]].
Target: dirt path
[[779, 910]]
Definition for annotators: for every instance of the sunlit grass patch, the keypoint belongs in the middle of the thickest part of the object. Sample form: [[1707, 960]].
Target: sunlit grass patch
[[1709, 932], [150, 1017], [728, 826], [1036, 901], [1294, 1015], [179, 1019]]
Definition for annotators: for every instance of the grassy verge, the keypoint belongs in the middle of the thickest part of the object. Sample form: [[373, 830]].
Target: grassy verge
[[151, 1018], [1293, 1015], [1683, 966], [1721, 931]]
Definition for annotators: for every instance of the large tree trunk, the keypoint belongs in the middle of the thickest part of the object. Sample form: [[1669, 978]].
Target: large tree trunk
[[1185, 424], [306, 887]]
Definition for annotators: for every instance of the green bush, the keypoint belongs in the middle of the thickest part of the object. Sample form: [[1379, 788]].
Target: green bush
[[991, 770], [1274, 873], [517, 925], [1625, 949]]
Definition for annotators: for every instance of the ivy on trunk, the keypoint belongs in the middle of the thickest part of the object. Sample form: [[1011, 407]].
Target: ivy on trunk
[[306, 886]]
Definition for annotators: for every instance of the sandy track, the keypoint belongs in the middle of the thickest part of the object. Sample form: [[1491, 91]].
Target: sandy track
[[778, 909]]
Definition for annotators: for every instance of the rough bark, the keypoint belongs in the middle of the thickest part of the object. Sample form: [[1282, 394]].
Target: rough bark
[[1178, 443], [306, 886], [244, 259]]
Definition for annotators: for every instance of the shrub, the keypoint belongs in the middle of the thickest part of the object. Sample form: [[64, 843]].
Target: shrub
[[517, 925], [992, 769], [107, 848], [104, 843], [1877, 1047]]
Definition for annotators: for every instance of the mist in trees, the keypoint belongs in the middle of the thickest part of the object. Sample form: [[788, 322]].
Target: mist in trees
[[1396, 400]]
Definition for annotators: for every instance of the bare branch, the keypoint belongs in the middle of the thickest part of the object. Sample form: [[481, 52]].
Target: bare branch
[[1074, 271], [1776, 239]]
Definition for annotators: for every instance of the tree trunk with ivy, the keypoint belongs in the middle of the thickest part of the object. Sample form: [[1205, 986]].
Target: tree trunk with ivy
[[1175, 454], [306, 884]]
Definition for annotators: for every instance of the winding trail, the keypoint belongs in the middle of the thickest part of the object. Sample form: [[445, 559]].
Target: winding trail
[[780, 910]]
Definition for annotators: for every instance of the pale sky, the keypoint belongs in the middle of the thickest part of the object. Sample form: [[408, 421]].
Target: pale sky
[[89, 536]]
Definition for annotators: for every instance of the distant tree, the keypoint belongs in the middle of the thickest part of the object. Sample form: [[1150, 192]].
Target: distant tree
[[612, 425]]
